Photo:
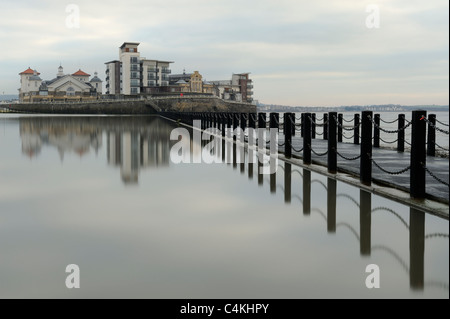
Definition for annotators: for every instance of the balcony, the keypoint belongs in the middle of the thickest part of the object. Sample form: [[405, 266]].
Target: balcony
[[107, 79], [134, 67], [249, 92], [152, 70], [249, 86], [166, 71]]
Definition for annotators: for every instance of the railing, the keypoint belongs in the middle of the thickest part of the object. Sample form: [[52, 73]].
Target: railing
[[364, 130]]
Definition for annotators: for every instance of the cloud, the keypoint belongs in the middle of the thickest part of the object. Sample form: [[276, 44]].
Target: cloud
[[272, 40]]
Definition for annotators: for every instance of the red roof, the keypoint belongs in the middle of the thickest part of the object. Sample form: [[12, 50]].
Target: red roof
[[28, 71], [81, 73]]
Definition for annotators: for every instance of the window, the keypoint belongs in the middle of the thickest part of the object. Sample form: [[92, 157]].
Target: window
[[134, 90], [70, 91]]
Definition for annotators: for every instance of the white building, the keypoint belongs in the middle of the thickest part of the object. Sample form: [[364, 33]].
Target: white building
[[76, 86], [131, 74]]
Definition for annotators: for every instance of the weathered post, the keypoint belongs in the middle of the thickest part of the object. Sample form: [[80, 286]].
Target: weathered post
[[418, 154], [313, 126], [261, 129], [332, 144], [325, 126], [307, 139], [365, 174], [356, 130], [340, 121], [401, 133], [431, 140], [274, 120], [288, 134], [376, 131]]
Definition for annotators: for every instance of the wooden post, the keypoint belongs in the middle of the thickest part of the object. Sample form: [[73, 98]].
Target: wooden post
[[307, 139], [376, 131], [356, 130], [431, 140], [365, 174], [401, 133], [340, 121], [418, 154], [332, 144]]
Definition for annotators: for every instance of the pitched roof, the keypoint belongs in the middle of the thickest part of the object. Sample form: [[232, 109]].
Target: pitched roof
[[28, 71], [81, 73]]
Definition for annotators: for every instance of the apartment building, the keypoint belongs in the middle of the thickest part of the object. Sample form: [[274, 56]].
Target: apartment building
[[133, 74]]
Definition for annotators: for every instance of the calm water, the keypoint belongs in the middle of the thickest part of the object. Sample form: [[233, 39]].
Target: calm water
[[102, 193]]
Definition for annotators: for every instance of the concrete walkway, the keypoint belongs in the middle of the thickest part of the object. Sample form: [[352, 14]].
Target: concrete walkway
[[389, 160]]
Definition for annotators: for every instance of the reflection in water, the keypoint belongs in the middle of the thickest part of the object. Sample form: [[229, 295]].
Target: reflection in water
[[65, 134], [132, 142], [416, 227], [138, 142]]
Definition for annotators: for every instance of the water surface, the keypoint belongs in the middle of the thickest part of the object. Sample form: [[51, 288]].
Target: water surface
[[102, 193]]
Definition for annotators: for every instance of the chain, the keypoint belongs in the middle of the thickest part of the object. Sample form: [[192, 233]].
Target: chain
[[388, 122], [313, 122], [348, 138], [434, 176], [434, 126], [297, 149], [407, 142], [392, 142], [253, 116], [441, 122], [347, 158], [282, 144], [389, 172], [388, 131], [321, 119], [345, 128], [445, 149], [348, 121], [317, 133], [436, 235], [318, 154]]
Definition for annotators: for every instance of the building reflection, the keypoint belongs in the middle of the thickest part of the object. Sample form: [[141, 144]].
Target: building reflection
[[136, 143], [60, 133], [132, 143]]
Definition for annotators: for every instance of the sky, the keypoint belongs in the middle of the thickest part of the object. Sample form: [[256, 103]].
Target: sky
[[299, 52]]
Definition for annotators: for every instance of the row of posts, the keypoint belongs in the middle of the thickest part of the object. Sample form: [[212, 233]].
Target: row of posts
[[332, 131]]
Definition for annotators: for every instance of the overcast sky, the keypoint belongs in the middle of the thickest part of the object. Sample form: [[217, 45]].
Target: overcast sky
[[299, 52]]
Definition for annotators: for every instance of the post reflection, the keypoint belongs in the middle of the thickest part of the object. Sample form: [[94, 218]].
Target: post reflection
[[416, 248], [416, 227], [135, 143]]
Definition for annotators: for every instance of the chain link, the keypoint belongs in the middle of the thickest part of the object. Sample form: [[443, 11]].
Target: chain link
[[388, 122], [388, 131], [347, 158], [436, 235], [434, 176], [300, 150], [348, 121], [390, 172], [441, 122], [445, 149], [387, 142], [346, 128], [348, 138], [318, 154], [313, 122], [434, 126]]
